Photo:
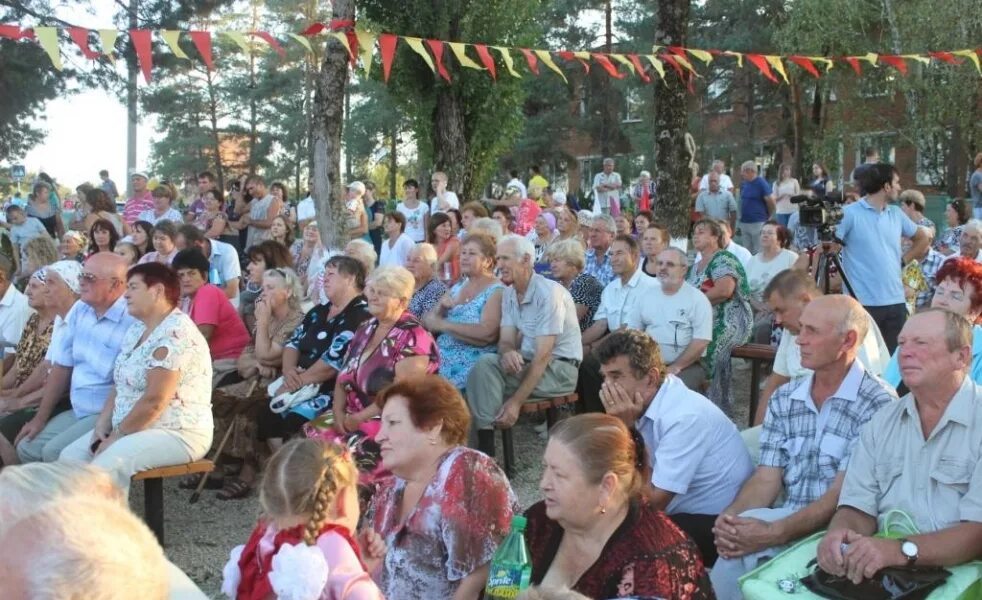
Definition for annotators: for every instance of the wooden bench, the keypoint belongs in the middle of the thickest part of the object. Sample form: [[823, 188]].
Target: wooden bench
[[153, 491], [550, 406], [757, 354]]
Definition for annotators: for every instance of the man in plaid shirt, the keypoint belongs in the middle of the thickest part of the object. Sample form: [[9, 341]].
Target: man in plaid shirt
[[811, 427]]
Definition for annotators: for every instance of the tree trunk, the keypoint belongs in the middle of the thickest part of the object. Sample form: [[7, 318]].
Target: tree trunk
[[393, 160], [131, 107], [329, 94], [450, 142], [671, 123], [213, 121]]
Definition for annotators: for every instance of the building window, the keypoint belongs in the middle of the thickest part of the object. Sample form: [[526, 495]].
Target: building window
[[932, 158], [633, 106], [718, 92], [884, 143]]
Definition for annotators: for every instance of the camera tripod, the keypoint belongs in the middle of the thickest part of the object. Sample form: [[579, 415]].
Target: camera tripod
[[823, 269]]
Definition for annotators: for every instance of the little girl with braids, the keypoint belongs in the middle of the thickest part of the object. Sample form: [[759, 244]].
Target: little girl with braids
[[303, 546]]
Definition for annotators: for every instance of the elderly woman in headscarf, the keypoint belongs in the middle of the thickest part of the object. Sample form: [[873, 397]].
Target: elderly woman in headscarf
[[51, 292]]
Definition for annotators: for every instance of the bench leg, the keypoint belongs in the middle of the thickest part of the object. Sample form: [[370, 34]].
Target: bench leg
[[754, 390], [508, 449], [153, 507], [552, 416]]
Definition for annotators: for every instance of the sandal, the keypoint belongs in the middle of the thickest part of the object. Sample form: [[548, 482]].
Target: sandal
[[234, 490], [215, 482]]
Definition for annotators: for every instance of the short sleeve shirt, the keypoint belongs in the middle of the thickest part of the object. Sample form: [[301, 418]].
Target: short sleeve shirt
[[716, 206], [871, 256], [975, 188], [753, 207], [696, 451], [599, 266], [30, 229], [937, 481], [225, 258], [813, 444], [171, 215], [618, 300], [586, 291], [210, 306], [415, 219], [674, 320], [546, 309]]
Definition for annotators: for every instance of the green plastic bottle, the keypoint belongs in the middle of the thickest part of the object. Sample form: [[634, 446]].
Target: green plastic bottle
[[511, 569]]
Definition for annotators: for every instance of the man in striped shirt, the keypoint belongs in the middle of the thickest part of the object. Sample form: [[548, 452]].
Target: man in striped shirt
[[140, 201]]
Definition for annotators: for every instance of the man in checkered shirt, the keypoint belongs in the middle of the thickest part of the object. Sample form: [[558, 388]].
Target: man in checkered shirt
[[811, 427]]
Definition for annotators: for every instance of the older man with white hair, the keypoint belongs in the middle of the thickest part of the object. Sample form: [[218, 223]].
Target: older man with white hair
[[539, 347], [718, 167], [757, 204], [607, 190], [970, 241]]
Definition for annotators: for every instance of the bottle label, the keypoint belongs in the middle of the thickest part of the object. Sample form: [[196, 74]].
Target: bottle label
[[507, 581]]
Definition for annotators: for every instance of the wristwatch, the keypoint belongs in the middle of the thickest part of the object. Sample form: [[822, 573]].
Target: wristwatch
[[909, 550]]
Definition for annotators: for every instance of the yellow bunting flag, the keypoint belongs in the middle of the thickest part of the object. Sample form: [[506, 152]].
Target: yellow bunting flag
[[48, 38], [775, 61], [171, 37], [509, 62], [460, 51], [546, 58], [339, 36], [624, 61], [302, 41], [870, 57], [685, 63], [924, 60], [107, 37], [417, 45], [656, 64], [738, 55], [821, 59], [702, 55], [240, 40], [970, 55], [366, 42]]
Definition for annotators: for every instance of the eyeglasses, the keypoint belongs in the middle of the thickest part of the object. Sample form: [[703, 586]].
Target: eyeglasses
[[91, 277]]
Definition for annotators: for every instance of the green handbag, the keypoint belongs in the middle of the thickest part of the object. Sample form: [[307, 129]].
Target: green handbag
[[779, 578]]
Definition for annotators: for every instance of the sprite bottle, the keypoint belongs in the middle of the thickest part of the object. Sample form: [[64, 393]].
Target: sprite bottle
[[511, 569]]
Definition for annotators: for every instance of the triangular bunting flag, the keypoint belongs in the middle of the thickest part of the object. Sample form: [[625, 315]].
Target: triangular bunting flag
[[546, 59], [48, 38], [623, 60], [352, 46], [202, 41], [896, 62], [828, 62], [81, 38], [805, 63], [670, 59], [737, 55], [636, 61], [14, 32], [761, 63], [341, 37], [660, 68], [240, 40], [608, 66], [775, 61], [532, 61], [437, 47], [417, 45], [854, 63], [366, 41], [702, 55], [924, 60], [460, 53], [971, 55], [947, 57], [509, 62], [143, 44], [269, 39], [486, 59], [170, 37], [387, 49], [107, 37], [302, 41]]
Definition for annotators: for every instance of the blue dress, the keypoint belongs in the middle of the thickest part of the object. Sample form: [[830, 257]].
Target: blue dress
[[457, 356]]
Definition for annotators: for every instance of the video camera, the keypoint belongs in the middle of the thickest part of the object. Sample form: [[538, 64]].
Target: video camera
[[822, 212]]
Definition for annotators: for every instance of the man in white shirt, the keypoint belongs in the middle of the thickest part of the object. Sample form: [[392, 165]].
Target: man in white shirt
[[725, 183], [970, 241], [621, 297], [443, 199], [306, 210], [14, 310], [742, 254], [224, 259], [515, 182], [698, 460], [678, 316], [607, 190]]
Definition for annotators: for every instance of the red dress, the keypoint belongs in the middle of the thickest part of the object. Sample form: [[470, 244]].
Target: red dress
[[648, 556]]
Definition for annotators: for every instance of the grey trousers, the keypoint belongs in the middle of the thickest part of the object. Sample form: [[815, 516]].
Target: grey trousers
[[694, 377], [750, 236], [488, 386], [61, 430]]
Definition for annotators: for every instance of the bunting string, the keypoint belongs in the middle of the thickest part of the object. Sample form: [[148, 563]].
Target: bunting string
[[361, 45]]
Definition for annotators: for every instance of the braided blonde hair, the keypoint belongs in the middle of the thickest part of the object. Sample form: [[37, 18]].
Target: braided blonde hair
[[303, 478]]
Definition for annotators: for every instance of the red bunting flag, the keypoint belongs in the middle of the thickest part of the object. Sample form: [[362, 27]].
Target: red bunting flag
[[854, 63], [387, 49], [353, 45], [947, 57], [531, 59], [636, 61], [14, 32], [761, 63], [202, 41], [896, 62], [335, 25], [805, 63], [673, 63], [604, 61], [144, 51], [486, 59], [571, 56], [81, 37], [269, 39], [436, 46]]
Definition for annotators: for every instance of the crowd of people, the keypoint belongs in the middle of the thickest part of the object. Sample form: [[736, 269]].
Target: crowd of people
[[357, 390]]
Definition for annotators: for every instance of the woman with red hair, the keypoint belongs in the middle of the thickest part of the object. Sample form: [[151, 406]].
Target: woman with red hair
[[959, 289]]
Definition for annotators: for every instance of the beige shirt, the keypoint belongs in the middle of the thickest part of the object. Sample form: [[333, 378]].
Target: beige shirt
[[938, 481], [546, 309]]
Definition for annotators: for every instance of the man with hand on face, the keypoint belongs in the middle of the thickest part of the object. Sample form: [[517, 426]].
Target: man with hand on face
[[539, 346], [811, 428], [921, 455], [698, 460]]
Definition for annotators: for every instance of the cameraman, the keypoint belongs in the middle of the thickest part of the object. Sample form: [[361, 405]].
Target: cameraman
[[871, 230]]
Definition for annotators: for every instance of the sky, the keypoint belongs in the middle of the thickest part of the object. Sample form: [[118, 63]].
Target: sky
[[86, 131]]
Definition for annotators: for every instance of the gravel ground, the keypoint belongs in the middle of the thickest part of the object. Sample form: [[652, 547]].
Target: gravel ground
[[199, 536]]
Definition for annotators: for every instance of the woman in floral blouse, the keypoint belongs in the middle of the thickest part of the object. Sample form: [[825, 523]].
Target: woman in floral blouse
[[446, 510], [391, 346], [159, 411]]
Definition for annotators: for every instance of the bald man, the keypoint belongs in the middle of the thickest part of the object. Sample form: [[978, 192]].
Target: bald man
[[82, 355], [811, 427]]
